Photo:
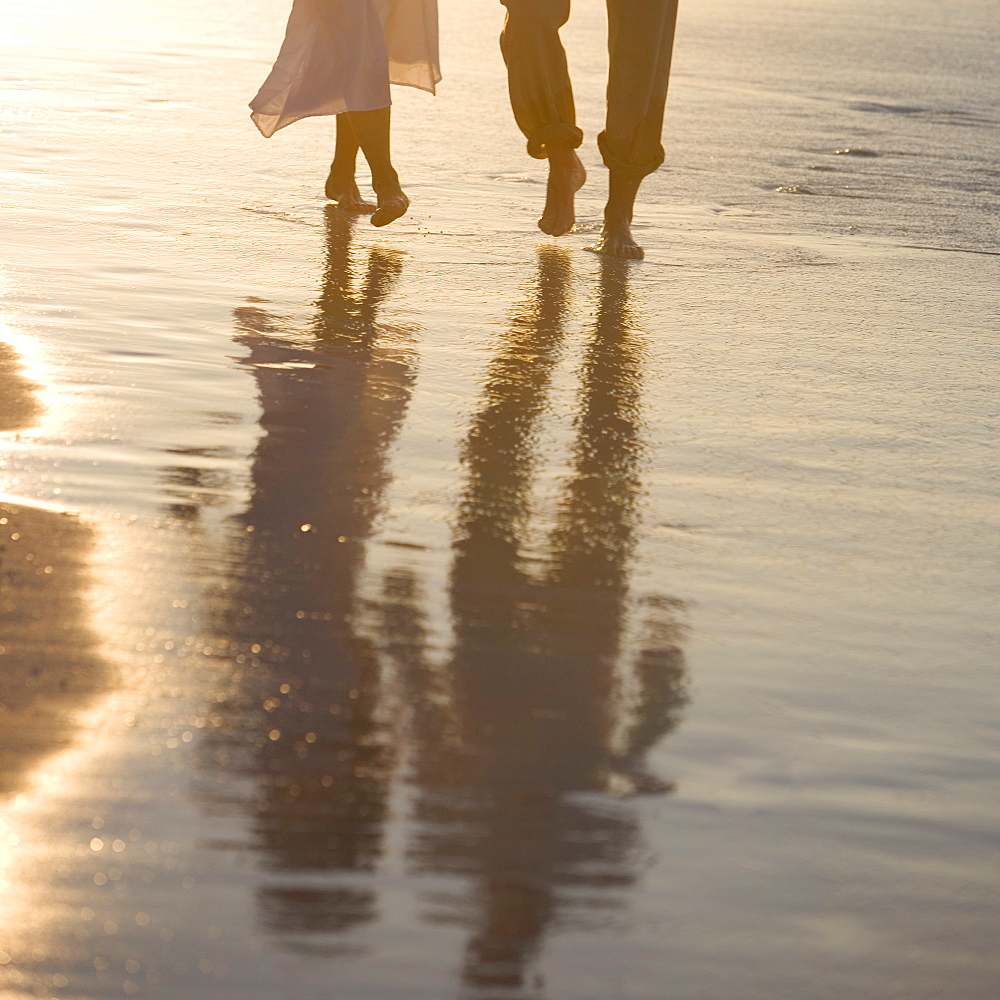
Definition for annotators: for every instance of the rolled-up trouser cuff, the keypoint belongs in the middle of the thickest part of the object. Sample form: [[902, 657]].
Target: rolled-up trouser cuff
[[634, 170], [556, 132]]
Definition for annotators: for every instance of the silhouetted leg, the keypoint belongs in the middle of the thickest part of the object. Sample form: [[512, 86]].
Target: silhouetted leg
[[372, 131], [640, 44], [341, 185], [541, 96]]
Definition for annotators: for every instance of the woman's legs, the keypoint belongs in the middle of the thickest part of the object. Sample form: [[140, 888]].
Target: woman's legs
[[341, 186], [369, 132], [372, 131]]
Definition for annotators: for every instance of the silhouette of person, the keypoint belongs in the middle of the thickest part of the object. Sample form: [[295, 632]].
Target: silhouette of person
[[303, 716], [338, 58], [528, 712], [640, 45]]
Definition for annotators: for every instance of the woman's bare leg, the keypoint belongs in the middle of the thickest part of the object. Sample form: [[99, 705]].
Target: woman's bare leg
[[341, 186], [372, 131]]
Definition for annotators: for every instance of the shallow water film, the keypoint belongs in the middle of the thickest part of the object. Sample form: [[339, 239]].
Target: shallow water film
[[447, 611]]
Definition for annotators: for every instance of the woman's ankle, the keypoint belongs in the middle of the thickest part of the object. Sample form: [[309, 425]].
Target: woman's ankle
[[386, 181]]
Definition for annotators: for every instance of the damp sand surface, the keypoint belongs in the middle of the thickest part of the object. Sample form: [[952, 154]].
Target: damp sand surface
[[446, 611]]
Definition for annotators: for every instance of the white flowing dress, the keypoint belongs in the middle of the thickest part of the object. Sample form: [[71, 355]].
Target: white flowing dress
[[341, 55]]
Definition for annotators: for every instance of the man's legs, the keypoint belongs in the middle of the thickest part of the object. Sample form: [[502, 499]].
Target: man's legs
[[541, 97], [640, 43]]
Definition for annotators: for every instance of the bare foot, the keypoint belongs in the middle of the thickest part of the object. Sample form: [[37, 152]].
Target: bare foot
[[392, 203], [344, 191], [616, 241], [566, 177]]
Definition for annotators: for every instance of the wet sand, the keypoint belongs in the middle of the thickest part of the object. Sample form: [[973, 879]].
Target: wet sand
[[51, 664], [447, 611], [49, 654], [17, 396]]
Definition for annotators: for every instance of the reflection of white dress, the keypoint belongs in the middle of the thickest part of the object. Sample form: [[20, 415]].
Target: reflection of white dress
[[341, 55]]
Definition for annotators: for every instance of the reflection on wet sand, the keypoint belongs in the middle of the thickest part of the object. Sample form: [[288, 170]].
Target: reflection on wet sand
[[541, 707], [558, 681], [191, 487], [19, 407], [305, 716], [50, 666]]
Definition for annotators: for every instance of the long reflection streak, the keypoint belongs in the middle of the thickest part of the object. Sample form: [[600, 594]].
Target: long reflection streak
[[305, 719], [529, 713], [535, 704]]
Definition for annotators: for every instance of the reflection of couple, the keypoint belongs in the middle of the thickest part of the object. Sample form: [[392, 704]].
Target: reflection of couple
[[545, 695], [339, 57]]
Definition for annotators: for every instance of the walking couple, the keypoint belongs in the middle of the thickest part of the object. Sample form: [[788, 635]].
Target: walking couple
[[339, 57]]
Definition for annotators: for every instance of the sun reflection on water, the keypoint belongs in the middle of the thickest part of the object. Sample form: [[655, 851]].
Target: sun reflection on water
[[79, 660]]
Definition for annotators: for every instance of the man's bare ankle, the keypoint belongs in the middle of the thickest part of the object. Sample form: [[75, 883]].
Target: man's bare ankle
[[560, 151]]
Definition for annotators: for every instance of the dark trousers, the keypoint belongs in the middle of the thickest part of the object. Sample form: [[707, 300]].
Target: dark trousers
[[640, 43]]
